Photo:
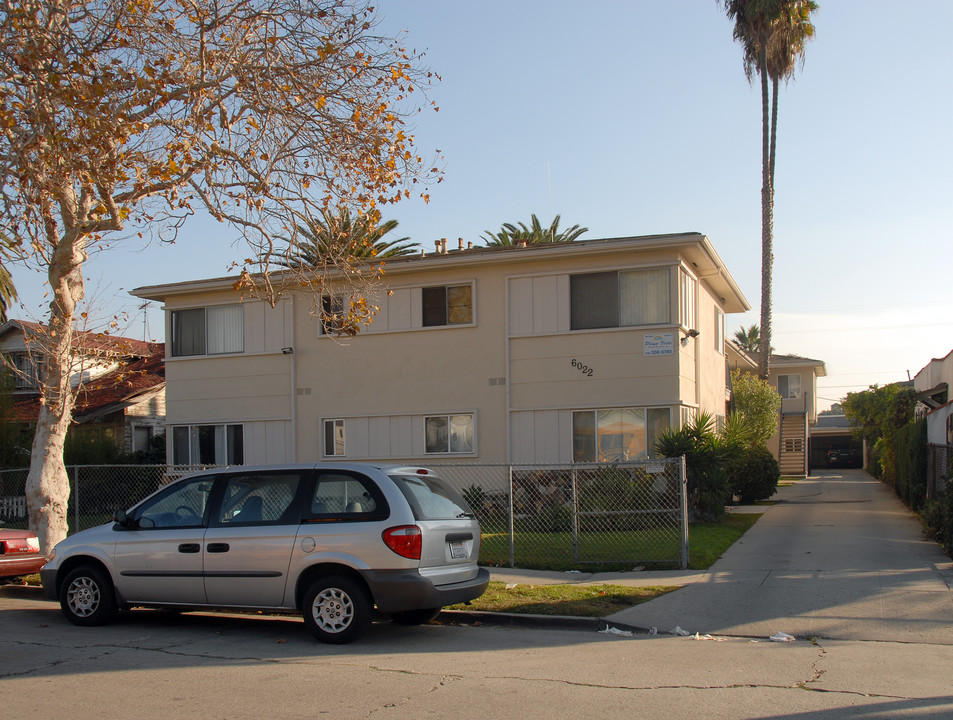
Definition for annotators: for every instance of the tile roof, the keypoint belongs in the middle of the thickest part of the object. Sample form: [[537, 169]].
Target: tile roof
[[109, 392]]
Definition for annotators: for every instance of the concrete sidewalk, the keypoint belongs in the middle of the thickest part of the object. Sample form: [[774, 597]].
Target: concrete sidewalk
[[838, 557]]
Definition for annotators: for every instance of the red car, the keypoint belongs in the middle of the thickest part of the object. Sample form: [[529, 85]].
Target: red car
[[19, 553]]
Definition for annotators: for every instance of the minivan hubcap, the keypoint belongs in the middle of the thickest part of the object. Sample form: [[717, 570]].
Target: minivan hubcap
[[333, 610], [83, 596]]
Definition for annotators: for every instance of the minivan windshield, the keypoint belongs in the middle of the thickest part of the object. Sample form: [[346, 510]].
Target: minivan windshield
[[431, 498]]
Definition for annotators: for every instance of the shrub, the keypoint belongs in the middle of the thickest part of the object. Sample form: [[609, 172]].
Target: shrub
[[754, 475], [705, 459], [910, 463]]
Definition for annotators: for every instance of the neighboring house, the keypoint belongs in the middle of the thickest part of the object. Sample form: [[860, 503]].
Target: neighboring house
[[551, 353], [932, 384], [796, 381], [121, 383]]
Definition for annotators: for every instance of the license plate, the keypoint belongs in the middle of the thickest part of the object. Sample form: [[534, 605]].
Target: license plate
[[457, 550]]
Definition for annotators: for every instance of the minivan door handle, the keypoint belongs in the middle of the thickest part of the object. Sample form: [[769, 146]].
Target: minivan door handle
[[189, 548], [217, 547]]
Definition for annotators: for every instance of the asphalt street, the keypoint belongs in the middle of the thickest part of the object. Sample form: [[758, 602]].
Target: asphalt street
[[167, 665]]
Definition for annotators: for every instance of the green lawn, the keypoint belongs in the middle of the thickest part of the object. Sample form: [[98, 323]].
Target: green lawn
[[605, 551], [577, 600]]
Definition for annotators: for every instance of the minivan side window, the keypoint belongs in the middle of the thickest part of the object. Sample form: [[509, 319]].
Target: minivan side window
[[259, 499], [182, 505], [345, 497]]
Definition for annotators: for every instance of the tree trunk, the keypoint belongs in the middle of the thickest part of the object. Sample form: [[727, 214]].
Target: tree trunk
[[767, 223], [47, 484]]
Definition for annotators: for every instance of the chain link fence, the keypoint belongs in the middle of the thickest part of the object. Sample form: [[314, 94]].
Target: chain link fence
[[547, 517], [939, 458], [96, 491], [561, 517]]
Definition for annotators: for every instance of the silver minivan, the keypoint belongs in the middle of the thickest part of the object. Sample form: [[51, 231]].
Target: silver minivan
[[331, 541]]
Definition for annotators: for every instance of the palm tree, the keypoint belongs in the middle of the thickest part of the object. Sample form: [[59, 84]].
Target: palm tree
[[749, 340], [772, 34], [8, 293], [535, 234], [336, 234]]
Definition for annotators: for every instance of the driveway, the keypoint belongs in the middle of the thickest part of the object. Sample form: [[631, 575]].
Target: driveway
[[838, 557]]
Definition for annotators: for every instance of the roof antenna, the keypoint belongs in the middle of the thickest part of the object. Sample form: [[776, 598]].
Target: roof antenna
[[145, 320], [549, 182]]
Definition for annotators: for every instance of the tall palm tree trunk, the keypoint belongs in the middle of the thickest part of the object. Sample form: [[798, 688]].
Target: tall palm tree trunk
[[767, 222]]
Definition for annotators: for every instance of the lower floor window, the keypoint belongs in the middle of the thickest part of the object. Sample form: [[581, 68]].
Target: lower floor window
[[334, 438], [449, 433], [794, 445], [208, 445], [142, 438], [617, 434]]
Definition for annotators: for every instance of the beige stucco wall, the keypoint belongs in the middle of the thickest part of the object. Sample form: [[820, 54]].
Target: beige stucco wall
[[511, 367]]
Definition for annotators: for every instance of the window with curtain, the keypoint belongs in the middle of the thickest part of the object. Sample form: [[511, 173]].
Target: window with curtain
[[789, 386], [214, 330], [617, 434], [208, 445], [449, 433], [447, 305], [620, 298]]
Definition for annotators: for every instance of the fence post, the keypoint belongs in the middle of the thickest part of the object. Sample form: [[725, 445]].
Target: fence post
[[512, 523], [575, 516], [683, 483], [76, 527]]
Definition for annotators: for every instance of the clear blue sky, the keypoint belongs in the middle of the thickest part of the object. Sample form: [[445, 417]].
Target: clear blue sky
[[632, 118]]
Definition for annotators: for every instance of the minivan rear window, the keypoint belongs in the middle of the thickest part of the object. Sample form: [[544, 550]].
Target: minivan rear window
[[431, 498]]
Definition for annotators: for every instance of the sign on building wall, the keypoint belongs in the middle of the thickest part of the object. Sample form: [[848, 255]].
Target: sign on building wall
[[663, 344]]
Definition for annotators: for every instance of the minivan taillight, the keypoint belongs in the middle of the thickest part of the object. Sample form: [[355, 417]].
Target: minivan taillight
[[405, 540]]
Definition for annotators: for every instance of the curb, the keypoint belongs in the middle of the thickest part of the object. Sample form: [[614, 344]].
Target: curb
[[27, 592], [553, 622]]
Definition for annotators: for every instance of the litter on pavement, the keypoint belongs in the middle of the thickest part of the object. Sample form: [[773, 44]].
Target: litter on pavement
[[615, 631]]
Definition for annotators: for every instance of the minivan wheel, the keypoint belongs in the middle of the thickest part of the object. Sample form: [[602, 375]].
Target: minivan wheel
[[337, 610], [415, 617], [86, 597]]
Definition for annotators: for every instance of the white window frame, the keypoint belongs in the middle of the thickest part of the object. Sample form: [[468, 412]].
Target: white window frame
[[719, 331], [686, 299], [448, 321], [225, 451], [468, 449], [628, 294], [598, 414], [337, 428], [790, 388], [224, 330]]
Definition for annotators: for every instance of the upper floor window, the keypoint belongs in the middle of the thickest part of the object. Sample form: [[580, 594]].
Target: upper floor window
[[619, 298], [686, 305], [208, 331], [447, 305], [332, 314], [719, 331], [789, 386]]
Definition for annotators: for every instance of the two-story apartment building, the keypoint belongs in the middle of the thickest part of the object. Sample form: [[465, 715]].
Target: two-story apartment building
[[560, 352]]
